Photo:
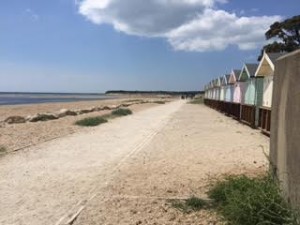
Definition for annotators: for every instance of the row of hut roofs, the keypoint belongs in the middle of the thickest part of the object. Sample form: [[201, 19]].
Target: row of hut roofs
[[246, 94]]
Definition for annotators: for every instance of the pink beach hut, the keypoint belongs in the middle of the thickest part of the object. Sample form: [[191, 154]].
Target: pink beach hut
[[227, 88], [235, 88]]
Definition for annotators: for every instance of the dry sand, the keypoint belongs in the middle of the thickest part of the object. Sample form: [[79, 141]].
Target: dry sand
[[126, 171], [17, 136]]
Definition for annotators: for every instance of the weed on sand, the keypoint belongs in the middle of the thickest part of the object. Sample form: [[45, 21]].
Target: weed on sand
[[121, 112], [197, 101], [246, 201], [3, 150], [159, 102], [189, 205], [91, 121]]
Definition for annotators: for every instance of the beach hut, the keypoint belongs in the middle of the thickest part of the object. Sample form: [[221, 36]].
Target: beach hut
[[227, 95], [232, 82], [210, 94], [233, 79], [252, 96], [214, 89], [222, 88], [208, 91], [265, 71], [227, 88], [218, 88]]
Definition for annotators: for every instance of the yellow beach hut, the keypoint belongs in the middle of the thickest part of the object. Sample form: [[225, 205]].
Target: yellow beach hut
[[266, 71]]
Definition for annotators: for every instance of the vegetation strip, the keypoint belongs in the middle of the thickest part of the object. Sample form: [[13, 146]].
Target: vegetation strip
[[95, 121], [242, 200], [199, 100], [91, 121], [246, 201]]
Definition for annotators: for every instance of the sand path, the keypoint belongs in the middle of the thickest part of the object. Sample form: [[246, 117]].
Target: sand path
[[126, 171], [44, 183]]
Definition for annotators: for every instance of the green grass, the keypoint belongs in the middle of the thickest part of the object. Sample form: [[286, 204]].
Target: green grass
[[91, 121], [95, 121], [133, 100], [121, 112], [247, 201], [189, 205], [198, 100]]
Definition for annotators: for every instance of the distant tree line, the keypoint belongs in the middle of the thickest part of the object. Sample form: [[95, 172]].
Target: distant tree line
[[155, 92]]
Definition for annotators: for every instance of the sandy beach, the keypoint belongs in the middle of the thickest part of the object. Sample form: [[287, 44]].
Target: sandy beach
[[128, 170], [17, 136]]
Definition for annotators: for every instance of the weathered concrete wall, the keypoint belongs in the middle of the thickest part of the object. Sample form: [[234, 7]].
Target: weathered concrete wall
[[285, 126]]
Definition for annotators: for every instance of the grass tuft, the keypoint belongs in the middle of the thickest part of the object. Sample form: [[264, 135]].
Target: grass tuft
[[198, 100], [159, 102], [2, 150], [189, 205], [246, 201], [121, 112], [91, 121]]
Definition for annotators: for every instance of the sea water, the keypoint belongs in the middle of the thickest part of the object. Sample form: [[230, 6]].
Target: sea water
[[9, 98]]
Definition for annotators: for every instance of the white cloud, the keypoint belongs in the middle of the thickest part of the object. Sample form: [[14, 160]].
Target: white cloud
[[189, 25]]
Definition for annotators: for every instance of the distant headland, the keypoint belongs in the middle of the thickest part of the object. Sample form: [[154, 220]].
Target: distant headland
[[174, 93]]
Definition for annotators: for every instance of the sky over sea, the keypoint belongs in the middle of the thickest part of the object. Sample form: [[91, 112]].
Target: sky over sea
[[99, 45]]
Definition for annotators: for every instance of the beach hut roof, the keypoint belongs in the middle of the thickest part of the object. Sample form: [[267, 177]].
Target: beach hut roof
[[225, 79], [274, 56], [227, 76], [234, 76], [248, 71], [218, 82], [267, 64], [222, 80]]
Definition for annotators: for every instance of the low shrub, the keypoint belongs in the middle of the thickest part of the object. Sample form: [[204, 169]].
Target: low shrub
[[247, 201], [91, 121], [121, 112]]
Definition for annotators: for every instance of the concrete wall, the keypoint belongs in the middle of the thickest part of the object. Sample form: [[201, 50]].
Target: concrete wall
[[285, 126]]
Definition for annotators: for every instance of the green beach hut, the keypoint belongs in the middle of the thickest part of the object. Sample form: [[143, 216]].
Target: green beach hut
[[252, 96]]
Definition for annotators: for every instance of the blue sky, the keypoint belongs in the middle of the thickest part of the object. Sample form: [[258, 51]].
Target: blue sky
[[97, 45]]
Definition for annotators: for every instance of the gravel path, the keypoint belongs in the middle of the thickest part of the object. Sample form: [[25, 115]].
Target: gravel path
[[43, 184], [127, 171]]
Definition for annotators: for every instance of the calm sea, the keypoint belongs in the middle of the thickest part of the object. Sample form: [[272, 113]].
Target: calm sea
[[36, 98]]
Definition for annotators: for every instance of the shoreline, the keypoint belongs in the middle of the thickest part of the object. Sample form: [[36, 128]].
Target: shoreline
[[18, 136]]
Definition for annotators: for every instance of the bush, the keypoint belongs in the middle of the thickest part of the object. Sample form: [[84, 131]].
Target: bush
[[91, 121], [121, 112], [247, 201]]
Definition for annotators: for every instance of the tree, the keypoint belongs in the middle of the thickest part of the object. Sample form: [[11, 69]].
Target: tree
[[287, 33]]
